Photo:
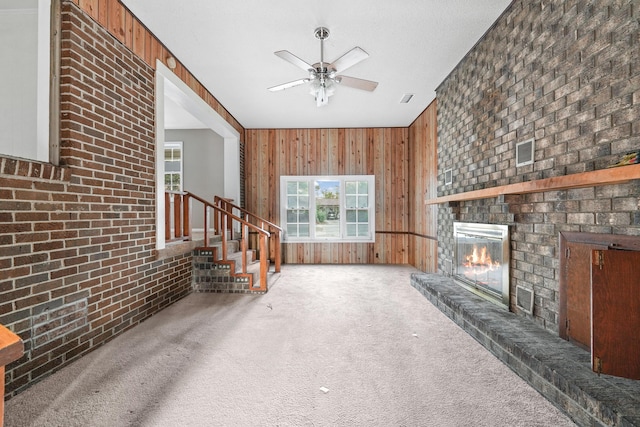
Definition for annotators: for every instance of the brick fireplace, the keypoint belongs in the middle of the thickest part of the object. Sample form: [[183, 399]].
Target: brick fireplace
[[567, 75]]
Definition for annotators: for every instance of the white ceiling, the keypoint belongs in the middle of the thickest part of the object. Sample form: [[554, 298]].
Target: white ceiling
[[229, 45]]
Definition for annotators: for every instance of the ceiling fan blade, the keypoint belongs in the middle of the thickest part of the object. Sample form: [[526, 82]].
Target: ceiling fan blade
[[357, 83], [289, 85], [349, 59], [290, 57]]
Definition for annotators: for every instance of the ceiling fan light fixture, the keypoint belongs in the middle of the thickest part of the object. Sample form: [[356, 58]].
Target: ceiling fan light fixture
[[322, 90], [325, 76]]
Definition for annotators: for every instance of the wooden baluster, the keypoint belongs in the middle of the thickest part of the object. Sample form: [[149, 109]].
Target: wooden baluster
[[224, 237], [245, 236], [229, 209], [263, 262], [216, 221], [177, 214], [167, 216], [206, 229], [186, 218]]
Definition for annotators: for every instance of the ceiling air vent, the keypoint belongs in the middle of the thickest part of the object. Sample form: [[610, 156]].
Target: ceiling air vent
[[406, 98], [524, 152]]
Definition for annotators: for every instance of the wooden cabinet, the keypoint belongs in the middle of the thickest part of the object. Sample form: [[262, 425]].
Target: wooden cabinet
[[615, 311], [600, 307]]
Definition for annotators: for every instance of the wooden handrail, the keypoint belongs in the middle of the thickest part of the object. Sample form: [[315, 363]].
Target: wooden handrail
[[225, 204], [11, 349], [220, 200], [223, 225], [565, 182], [224, 218]]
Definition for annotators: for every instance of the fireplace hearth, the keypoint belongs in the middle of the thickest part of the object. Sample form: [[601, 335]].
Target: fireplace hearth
[[481, 261]]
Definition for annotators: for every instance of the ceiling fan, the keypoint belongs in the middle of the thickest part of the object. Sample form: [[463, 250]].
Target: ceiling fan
[[324, 76]]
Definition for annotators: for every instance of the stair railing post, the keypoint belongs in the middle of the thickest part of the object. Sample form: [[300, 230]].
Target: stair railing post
[[276, 240]]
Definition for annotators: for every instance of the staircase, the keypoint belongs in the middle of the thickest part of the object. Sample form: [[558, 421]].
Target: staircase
[[213, 273], [227, 262]]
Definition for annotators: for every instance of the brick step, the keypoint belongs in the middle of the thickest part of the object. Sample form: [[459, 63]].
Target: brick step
[[212, 274]]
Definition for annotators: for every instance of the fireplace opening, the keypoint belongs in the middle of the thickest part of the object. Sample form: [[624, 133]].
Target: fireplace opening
[[481, 261]]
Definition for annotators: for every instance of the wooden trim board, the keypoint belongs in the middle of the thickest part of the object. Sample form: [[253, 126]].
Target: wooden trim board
[[584, 179]]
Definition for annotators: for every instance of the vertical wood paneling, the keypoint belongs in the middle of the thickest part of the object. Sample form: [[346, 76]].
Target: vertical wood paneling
[[139, 33], [423, 185], [128, 29], [89, 6], [103, 17], [403, 161], [116, 19], [271, 153]]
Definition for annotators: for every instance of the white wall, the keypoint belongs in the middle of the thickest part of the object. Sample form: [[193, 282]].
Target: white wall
[[168, 85], [18, 77], [203, 165]]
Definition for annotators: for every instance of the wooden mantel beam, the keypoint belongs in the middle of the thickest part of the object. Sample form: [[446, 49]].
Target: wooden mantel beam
[[566, 182], [11, 348]]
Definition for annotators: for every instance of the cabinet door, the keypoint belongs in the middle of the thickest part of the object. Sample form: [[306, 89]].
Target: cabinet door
[[578, 293], [615, 312]]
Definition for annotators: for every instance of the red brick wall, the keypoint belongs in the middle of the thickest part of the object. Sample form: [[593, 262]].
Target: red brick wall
[[77, 242]]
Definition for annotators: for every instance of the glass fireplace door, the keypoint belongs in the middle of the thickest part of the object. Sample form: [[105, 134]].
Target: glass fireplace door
[[482, 258]]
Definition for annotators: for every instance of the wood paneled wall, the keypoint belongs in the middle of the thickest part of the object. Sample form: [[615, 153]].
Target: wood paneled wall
[[423, 180], [402, 159], [123, 25], [383, 152]]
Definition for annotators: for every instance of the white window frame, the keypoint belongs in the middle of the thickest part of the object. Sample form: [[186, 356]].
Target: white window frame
[[342, 179], [180, 146]]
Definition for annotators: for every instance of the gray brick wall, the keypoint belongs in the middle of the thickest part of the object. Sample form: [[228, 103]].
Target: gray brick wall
[[566, 73]]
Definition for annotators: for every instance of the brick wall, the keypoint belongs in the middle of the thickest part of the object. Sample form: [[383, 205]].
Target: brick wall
[[566, 73], [77, 240]]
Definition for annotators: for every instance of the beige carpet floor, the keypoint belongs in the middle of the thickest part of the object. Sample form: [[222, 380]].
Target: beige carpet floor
[[326, 346]]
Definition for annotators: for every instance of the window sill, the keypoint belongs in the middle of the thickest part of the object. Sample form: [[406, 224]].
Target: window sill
[[25, 168]]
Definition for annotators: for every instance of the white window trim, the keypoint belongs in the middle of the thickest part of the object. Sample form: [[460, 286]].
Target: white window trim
[[171, 144], [170, 85], [370, 179]]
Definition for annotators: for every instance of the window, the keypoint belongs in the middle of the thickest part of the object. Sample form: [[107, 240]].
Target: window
[[328, 208], [173, 166]]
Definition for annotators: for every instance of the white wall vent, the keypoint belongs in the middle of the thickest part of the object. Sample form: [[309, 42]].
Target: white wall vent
[[448, 176], [525, 152], [524, 299], [448, 267]]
